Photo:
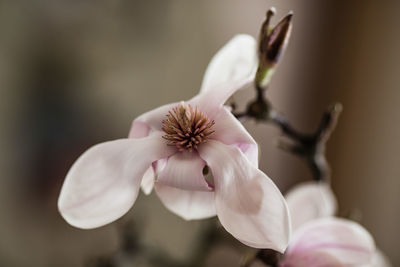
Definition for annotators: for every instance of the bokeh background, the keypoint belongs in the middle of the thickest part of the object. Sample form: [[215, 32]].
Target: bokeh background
[[75, 73]]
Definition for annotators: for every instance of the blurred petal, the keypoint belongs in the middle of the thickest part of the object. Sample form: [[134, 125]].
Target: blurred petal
[[104, 182], [309, 201], [346, 241], [184, 170], [190, 205], [236, 61], [151, 120], [248, 204], [229, 130], [380, 260], [147, 183], [312, 259]]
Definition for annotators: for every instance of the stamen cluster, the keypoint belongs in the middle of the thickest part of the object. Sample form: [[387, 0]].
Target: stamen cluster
[[186, 127]]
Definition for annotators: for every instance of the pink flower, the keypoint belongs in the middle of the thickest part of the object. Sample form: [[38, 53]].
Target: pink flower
[[330, 242], [174, 143], [321, 240]]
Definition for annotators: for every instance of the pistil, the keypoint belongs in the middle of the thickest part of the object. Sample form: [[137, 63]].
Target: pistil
[[187, 127]]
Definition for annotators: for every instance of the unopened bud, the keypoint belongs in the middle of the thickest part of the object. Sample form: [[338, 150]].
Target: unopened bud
[[272, 45]]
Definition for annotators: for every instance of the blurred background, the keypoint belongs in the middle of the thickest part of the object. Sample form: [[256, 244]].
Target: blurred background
[[75, 73]]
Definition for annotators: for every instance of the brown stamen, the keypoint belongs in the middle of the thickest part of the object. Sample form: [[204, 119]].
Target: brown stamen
[[186, 127]]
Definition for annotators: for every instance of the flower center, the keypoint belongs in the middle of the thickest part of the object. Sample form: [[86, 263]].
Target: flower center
[[186, 127]]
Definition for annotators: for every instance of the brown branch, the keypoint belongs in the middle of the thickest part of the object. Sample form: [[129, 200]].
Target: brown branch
[[310, 147]]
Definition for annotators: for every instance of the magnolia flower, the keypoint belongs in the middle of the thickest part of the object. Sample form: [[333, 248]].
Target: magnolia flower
[[174, 143], [330, 242], [321, 240]]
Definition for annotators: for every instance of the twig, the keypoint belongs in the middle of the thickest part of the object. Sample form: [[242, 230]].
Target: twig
[[310, 147]]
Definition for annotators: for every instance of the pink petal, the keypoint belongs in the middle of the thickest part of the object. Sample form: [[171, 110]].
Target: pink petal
[[231, 69], [229, 130], [309, 201], [150, 121], [147, 183], [209, 102], [104, 182], [151, 174], [311, 259], [236, 61], [343, 240], [139, 129], [248, 204], [184, 170], [190, 205]]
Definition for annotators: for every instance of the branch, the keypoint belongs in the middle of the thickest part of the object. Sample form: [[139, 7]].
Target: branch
[[310, 147]]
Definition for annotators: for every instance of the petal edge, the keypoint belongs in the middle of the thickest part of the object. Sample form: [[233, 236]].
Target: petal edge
[[103, 183], [248, 203]]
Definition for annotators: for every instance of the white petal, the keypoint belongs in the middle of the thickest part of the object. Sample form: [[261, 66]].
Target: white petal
[[231, 69], [147, 183], [380, 260], [150, 121], [236, 61], [190, 205], [343, 240], [248, 204], [230, 131], [142, 127], [139, 130], [104, 182], [184, 170], [309, 201], [150, 175], [211, 101]]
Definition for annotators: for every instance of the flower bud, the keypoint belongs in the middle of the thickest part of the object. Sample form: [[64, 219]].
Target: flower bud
[[272, 45]]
